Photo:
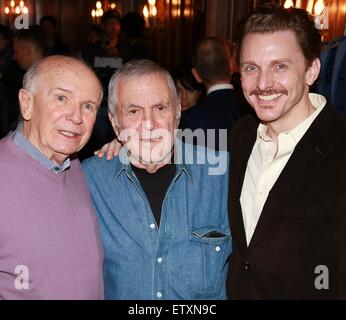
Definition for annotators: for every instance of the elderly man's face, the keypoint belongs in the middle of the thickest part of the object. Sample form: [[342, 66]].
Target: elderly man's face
[[147, 115], [275, 78], [61, 113]]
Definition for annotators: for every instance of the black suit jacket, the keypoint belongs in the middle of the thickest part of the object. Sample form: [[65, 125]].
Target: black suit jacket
[[218, 110], [303, 222]]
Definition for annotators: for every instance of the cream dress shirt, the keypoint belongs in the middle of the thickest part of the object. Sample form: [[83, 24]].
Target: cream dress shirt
[[267, 160]]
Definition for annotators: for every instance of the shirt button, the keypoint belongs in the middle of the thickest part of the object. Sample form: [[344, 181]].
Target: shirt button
[[159, 260], [152, 226], [159, 295], [217, 249]]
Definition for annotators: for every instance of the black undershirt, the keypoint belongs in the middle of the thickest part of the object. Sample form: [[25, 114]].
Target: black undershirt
[[155, 186]]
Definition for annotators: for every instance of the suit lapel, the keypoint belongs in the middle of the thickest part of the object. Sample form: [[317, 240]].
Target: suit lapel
[[238, 167]]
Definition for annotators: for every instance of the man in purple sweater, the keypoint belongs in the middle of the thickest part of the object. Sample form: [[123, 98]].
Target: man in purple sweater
[[49, 242]]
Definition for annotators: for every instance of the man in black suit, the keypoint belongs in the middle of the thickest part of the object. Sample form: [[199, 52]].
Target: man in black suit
[[287, 200], [223, 105]]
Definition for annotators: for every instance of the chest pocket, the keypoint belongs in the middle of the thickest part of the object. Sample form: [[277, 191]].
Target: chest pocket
[[210, 248]]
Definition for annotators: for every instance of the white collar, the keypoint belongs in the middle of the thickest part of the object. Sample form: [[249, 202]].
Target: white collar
[[220, 87]]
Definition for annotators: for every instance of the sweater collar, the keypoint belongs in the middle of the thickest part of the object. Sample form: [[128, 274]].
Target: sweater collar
[[19, 139]]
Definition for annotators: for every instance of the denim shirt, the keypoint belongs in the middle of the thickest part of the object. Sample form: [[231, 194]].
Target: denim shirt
[[187, 257]]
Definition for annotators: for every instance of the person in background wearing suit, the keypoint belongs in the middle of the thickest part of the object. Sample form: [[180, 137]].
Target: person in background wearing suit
[[287, 198], [223, 105]]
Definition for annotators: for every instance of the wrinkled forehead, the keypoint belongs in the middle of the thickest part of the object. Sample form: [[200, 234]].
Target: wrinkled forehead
[[154, 82], [67, 71], [58, 67]]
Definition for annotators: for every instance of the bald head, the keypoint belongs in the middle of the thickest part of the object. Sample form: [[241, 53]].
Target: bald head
[[211, 59], [56, 65]]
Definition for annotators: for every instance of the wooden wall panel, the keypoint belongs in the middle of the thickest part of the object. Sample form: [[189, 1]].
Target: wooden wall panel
[[340, 18]]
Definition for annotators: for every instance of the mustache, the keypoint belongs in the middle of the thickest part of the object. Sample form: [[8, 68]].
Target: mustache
[[268, 92]]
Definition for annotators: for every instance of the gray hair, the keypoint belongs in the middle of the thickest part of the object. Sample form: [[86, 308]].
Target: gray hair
[[33, 73], [137, 68]]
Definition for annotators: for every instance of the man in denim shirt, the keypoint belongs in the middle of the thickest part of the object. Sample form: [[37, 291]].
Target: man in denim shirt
[[162, 207]]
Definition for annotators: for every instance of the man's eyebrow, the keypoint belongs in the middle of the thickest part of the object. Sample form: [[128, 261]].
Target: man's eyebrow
[[283, 60], [60, 89], [91, 101], [131, 105], [160, 103], [248, 62], [70, 92], [286, 60]]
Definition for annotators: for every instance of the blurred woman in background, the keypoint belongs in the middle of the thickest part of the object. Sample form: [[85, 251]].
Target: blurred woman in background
[[189, 90]]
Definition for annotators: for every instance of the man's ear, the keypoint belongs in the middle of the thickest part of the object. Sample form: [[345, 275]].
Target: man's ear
[[313, 72], [26, 102], [196, 75], [178, 115], [178, 111], [114, 122]]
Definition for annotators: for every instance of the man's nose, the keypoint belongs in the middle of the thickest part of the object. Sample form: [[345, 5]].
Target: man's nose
[[148, 120], [75, 114], [265, 80], [147, 124]]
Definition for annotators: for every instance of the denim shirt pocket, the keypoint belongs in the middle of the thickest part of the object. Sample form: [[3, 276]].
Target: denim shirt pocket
[[210, 248]]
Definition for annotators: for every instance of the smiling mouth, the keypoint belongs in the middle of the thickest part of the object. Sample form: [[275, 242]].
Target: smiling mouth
[[269, 97], [69, 134]]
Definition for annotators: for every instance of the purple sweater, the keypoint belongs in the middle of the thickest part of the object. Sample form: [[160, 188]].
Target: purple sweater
[[49, 241]]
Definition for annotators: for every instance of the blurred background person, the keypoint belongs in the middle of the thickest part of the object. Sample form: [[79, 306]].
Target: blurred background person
[[95, 34], [114, 43], [223, 105], [50, 30], [189, 90], [133, 26], [28, 47], [93, 47]]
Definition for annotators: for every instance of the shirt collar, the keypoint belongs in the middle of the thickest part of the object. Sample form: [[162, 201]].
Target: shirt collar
[[221, 86], [179, 160], [22, 142]]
